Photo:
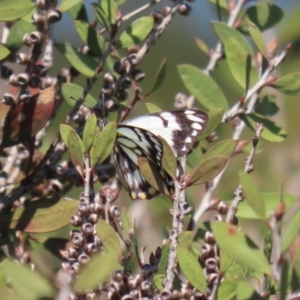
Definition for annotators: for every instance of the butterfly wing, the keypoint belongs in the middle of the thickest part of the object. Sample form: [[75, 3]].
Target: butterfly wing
[[131, 144], [138, 137], [179, 128]]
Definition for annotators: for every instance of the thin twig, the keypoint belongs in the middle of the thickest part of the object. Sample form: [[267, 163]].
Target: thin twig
[[234, 204], [252, 97], [249, 167], [217, 53]]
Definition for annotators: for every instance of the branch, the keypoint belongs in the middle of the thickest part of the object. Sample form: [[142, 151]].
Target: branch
[[251, 96]]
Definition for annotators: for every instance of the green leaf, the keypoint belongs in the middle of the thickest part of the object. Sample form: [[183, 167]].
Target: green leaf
[[108, 238], [72, 92], [75, 146], [110, 9], [103, 143], [215, 118], [203, 87], [89, 131], [227, 289], [263, 15], [244, 291], [258, 39], [191, 268], [78, 12], [202, 46], [17, 31], [127, 225], [290, 232], [222, 3], [158, 281], [271, 201], [238, 54], [289, 85], [272, 132], [98, 270], [80, 61], [252, 194], [135, 33], [159, 78], [119, 2], [35, 288], [101, 16], [169, 161], [14, 9], [268, 245], [89, 36], [268, 106], [4, 52], [240, 248], [152, 108], [212, 162], [66, 5], [40, 216], [163, 263], [186, 238]]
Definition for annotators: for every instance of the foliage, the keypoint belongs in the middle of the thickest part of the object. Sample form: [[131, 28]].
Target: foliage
[[93, 245]]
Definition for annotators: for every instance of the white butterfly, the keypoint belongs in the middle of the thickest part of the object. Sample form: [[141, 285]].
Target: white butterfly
[[139, 137]]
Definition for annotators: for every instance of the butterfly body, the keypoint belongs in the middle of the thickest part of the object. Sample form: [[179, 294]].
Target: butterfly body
[[140, 138]]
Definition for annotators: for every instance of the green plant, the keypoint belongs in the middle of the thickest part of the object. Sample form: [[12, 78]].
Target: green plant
[[94, 244]]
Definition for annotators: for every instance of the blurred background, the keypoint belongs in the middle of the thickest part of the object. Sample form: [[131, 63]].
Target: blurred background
[[276, 167]]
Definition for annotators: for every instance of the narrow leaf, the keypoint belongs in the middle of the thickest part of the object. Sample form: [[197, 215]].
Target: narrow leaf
[[238, 54], [264, 15], [89, 131], [289, 85], [215, 118], [240, 248], [89, 36], [80, 61], [108, 237], [271, 202], [169, 161], [40, 216], [103, 143], [213, 162], [16, 32], [203, 87], [202, 46], [186, 238], [98, 270], [66, 5], [101, 16], [268, 106], [4, 52], [258, 39], [252, 194], [191, 268], [152, 108], [110, 9], [72, 92], [135, 33], [15, 9], [272, 132], [35, 288], [290, 232], [75, 146], [159, 78]]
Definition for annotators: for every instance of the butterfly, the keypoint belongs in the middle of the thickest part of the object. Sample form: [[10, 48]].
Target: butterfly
[[141, 137]]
